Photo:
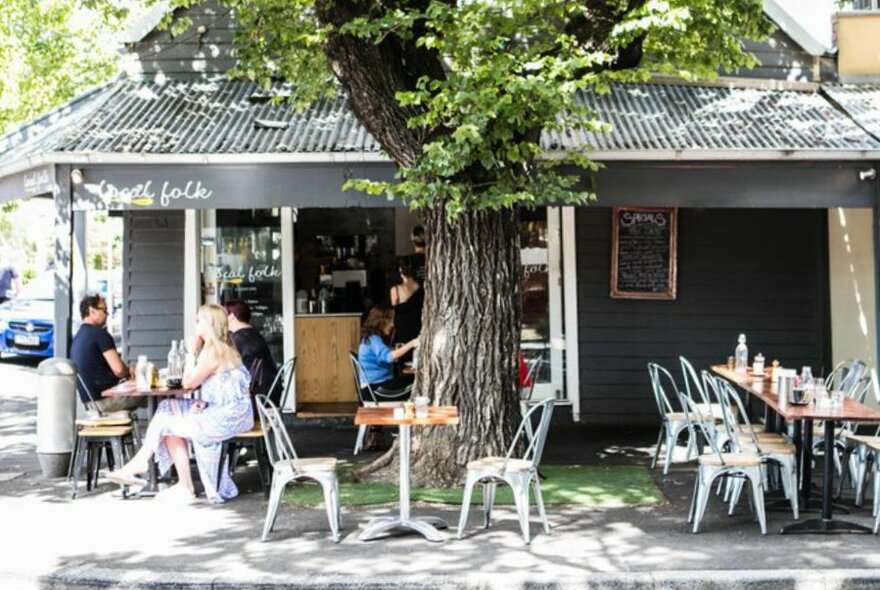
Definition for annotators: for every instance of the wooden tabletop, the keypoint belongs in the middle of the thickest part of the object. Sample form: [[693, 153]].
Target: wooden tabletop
[[127, 389], [762, 388], [437, 415]]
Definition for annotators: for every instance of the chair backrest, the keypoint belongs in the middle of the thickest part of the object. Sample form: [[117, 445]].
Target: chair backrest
[[525, 392], [658, 374], [845, 376], [716, 385], [852, 384], [360, 380], [691, 380], [90, 395], [279, 447], [733, 400], [535, 447], [696, 421], [282, 382]]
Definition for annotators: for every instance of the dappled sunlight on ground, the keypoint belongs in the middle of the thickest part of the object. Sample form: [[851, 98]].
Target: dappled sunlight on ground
[[152, 539]]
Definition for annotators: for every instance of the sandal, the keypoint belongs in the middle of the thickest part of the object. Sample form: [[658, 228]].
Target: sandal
[[126, 479]]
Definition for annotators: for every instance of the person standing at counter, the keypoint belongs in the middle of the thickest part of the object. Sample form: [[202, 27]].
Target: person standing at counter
[[250, 344], [375, 356], [420, 246], [407, 299]]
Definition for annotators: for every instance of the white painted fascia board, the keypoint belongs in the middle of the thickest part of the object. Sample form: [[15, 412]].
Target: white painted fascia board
[[794, 29], [688, 155], [692, 155], [145, 23]]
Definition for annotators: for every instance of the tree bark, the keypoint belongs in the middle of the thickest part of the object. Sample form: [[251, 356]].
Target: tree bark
[[470, 340]]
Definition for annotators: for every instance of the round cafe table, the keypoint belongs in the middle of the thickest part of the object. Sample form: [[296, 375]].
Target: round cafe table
[[426, 525]]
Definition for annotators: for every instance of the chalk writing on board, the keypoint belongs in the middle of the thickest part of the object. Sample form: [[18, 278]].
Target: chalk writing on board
[[643, 253]]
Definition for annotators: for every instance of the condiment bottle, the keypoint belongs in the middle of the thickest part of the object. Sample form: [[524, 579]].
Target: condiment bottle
[[742, 354]]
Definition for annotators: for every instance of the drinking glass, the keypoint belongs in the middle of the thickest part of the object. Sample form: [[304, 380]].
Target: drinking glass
[[806, 374], [421, 407]]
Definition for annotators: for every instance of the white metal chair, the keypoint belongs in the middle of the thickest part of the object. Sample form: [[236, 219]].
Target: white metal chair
[[519, 473], [377, 398], [672, 423], [283, 379], [770, 448], [692, 384], [526, 392], [717, 464], [287, 467]]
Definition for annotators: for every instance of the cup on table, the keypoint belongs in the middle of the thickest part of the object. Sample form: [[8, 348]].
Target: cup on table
[[421, 404], [409, 409], [399, 414], [731, 363], [163, 377]]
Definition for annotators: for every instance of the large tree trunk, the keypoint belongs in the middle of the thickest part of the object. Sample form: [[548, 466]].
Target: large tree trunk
[[470, 340]]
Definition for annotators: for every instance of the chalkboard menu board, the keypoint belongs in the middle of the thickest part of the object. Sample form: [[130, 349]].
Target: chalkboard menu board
[[643, 253]]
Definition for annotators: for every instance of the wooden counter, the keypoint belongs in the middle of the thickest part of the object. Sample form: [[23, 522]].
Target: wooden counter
[[323, 369]]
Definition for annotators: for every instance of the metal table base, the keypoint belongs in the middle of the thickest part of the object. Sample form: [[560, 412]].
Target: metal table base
[[404, 523]]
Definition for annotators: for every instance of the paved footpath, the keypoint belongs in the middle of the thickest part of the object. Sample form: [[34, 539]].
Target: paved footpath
[[101, 541]]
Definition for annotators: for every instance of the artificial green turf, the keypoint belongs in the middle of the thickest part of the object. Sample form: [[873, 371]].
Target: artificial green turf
[[588, 485]]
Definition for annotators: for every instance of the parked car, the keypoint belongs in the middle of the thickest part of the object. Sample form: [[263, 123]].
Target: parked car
[[27, 325]]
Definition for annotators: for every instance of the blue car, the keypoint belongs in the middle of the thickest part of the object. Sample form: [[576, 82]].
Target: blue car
[[27, 326]]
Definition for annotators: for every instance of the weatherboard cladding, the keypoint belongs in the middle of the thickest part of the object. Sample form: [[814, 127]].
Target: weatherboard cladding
[[862, 102], [221, 116]]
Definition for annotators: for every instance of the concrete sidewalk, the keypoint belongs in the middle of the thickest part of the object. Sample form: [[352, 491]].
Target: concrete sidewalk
[[101, 541]]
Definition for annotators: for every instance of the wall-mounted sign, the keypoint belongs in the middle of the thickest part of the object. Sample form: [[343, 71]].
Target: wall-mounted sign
[[147, 194], [644, 252], [37, 182]]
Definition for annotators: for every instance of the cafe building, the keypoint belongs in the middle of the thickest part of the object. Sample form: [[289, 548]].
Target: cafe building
[[744, 205]]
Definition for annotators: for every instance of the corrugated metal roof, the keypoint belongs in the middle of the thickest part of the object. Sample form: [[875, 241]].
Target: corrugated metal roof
[[221, 117], [48, 132], [686, 117], [861, 102]]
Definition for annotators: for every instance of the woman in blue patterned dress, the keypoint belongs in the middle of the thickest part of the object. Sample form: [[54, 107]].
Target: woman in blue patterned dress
[[223, 411]]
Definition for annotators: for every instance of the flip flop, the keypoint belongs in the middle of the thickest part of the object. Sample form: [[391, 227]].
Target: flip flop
[[125, 479]]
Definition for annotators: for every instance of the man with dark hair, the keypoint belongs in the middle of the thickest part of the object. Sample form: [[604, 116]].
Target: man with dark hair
[[96, 357], [251, 346], [421, 249]]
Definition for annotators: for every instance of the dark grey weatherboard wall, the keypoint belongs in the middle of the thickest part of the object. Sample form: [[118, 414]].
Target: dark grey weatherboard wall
[[152, 282], [762, 272]]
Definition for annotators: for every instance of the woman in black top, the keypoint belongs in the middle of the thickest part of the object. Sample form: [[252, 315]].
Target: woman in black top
[[251, 345], [407, 299]]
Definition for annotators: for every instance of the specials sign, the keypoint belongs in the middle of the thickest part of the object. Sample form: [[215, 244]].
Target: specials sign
[[644, 253]]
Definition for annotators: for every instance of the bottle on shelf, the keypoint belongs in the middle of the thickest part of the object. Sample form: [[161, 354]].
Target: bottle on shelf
[[742, 354]]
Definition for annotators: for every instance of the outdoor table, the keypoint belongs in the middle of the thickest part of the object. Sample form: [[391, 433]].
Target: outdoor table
[[128, 389], [851, 410], [426, 525]]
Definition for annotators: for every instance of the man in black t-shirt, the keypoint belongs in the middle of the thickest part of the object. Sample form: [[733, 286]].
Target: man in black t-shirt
[[96, 358], [252, 347]]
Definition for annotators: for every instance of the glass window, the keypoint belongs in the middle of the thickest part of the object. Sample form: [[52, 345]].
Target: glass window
[[248, 267]]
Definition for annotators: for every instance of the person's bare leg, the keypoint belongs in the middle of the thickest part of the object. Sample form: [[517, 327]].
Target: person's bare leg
[[179, 451]]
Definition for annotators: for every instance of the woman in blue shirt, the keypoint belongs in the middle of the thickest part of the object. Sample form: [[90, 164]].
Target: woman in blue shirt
[[375, 356]]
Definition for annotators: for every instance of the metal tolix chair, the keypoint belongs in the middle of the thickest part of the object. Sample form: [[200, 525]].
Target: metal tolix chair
[[717, 464], [521, 474], [287, 468]]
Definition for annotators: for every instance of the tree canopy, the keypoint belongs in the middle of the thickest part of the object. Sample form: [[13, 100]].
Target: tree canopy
[[468, 86], [50, 51]]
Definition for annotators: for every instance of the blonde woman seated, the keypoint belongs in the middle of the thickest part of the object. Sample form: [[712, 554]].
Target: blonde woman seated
[[223, 411]]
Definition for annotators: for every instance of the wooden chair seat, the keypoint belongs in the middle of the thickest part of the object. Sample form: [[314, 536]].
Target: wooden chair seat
[[306, 465], [102, 422], [255, 432], [496, 465], [872, 442], [773, 449], [731, 460], [104, 431]]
